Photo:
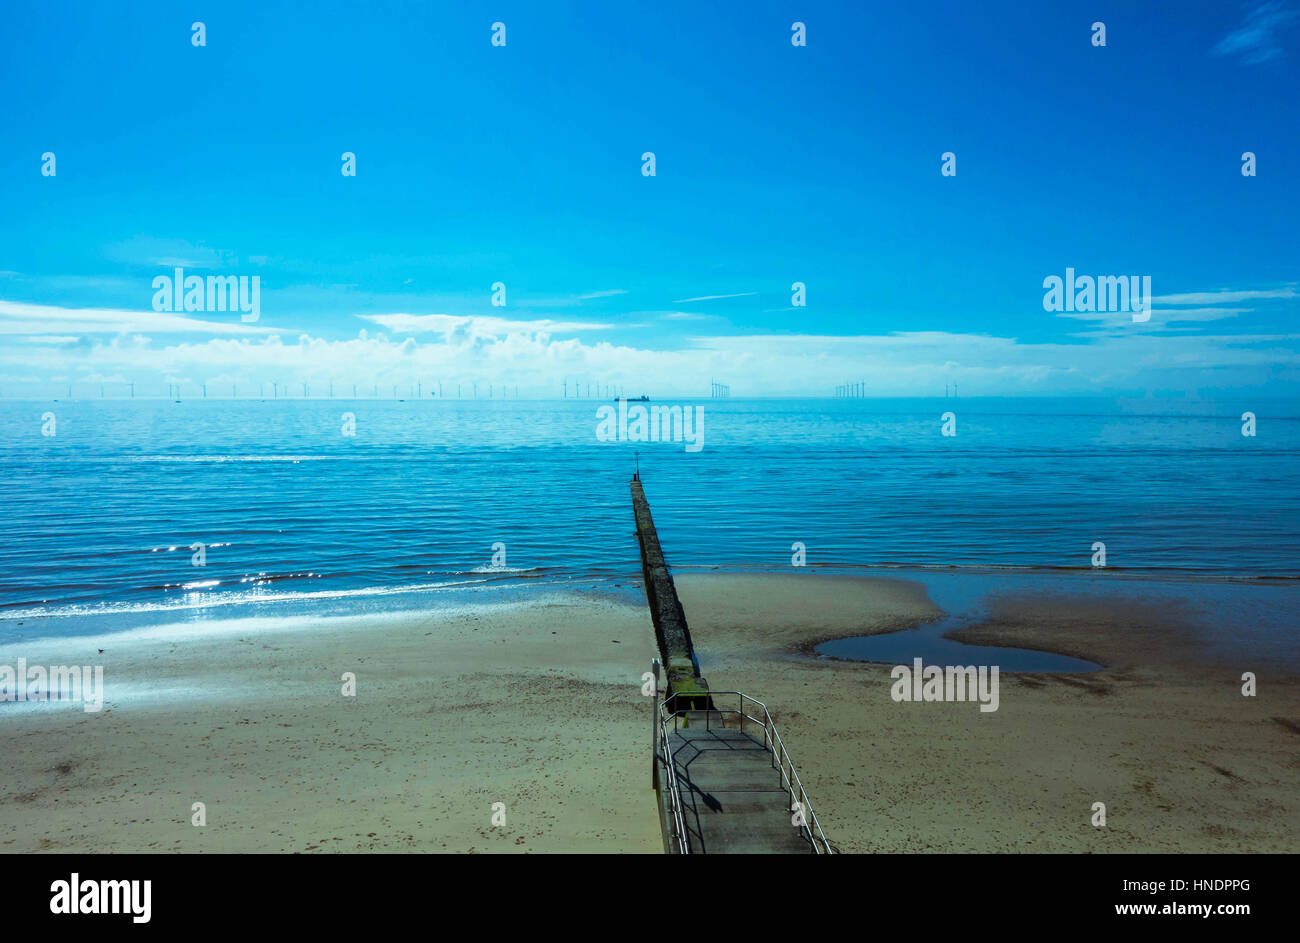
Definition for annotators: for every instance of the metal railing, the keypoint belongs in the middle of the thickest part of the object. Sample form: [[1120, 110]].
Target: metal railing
[[676, 825], [771, 740]]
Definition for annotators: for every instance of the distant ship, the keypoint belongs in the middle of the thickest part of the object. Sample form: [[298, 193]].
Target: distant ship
[[633, 399]]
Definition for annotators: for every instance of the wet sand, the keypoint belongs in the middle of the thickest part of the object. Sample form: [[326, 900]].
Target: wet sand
[[540, 708]]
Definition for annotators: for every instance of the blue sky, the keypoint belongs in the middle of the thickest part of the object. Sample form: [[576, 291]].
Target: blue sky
[[774, 164]]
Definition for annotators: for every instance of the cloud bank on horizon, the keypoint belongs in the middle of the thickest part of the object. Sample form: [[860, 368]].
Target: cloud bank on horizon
[[70, 346]]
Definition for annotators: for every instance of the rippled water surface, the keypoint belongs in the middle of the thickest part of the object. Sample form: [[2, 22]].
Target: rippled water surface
[[100, 518]]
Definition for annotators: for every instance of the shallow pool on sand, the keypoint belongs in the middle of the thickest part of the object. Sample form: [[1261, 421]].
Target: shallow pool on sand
[[961, 598]]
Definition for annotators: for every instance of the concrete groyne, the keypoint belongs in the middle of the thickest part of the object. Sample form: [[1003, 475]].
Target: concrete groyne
[[676, 650]]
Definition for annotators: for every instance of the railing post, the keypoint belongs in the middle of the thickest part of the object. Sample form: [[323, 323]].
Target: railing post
[[654, 726]]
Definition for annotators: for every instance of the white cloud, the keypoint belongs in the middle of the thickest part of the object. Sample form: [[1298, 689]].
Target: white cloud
[[146, 250], [1256, 40], [739, 294], [1226, 296], [475, 325], [527, 354], [1175, 315], [20, 318], [1160, 317], [1176, 309]]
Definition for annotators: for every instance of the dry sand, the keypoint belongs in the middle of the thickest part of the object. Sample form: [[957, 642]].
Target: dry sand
[[540, 708]]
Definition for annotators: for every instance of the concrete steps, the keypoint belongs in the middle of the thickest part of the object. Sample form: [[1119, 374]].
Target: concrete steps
[[732, 798]]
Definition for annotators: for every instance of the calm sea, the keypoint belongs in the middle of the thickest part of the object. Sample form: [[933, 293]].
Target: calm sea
[[101, 516]]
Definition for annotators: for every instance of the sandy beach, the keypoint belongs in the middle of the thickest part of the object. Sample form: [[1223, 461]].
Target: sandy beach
[[1162, 735], [539, 707]]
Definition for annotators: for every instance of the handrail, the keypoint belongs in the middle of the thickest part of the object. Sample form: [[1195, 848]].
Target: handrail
[[780, 759], [676, 825]]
